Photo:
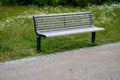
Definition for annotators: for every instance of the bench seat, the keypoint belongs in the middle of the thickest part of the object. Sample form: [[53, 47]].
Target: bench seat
[[66, 31]]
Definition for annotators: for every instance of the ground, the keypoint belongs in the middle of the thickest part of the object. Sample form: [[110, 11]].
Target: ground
[[95, 63]]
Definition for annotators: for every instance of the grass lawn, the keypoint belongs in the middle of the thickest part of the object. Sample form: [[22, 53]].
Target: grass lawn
[[18, 39]]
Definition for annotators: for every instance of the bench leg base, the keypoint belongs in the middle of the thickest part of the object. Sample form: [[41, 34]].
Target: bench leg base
[[93, 37], [38, 43]]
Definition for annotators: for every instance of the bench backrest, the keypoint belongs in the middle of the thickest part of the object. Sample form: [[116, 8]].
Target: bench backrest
[[61, 21]]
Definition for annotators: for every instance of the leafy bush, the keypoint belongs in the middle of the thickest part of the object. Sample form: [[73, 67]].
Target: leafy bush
[[8, 2], [39, 2], [81, 3], [23, 2], [45, 2], [15, 2]]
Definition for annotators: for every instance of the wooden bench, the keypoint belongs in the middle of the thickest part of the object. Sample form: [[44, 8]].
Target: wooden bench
[[51, 25]]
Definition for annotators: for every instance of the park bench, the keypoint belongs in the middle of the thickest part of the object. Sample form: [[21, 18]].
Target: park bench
[[51, 25]]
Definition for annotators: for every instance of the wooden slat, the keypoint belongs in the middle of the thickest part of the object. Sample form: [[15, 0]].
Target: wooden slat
[[63, 20]]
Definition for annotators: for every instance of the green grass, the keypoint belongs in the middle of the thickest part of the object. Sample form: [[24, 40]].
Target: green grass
[[18, 39]]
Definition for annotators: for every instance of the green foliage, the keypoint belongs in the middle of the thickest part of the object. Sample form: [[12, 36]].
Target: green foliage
[[8, 2], [15, 2], [39, 2], [80, 3], [45, 2]]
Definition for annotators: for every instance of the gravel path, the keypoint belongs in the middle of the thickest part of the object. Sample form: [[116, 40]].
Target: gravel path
[[95, 63]]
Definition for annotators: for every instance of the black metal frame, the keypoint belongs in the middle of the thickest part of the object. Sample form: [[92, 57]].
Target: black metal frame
[[38, 43], [93, 37], [39, 40]]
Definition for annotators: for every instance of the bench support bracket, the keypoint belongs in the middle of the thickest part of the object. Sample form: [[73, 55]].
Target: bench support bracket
[[93, 37], [38, 43]]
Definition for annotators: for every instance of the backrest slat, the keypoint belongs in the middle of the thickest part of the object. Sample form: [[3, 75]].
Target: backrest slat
[[65, 20]]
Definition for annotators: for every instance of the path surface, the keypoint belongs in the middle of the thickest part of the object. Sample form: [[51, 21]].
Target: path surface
[[96, 63]]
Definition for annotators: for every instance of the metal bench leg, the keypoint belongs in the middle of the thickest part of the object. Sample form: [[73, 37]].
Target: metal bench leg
[[93, 37], [38, 43]]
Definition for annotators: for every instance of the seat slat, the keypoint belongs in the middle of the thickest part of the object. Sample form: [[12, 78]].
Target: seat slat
[[63, 14], [61, 32]]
